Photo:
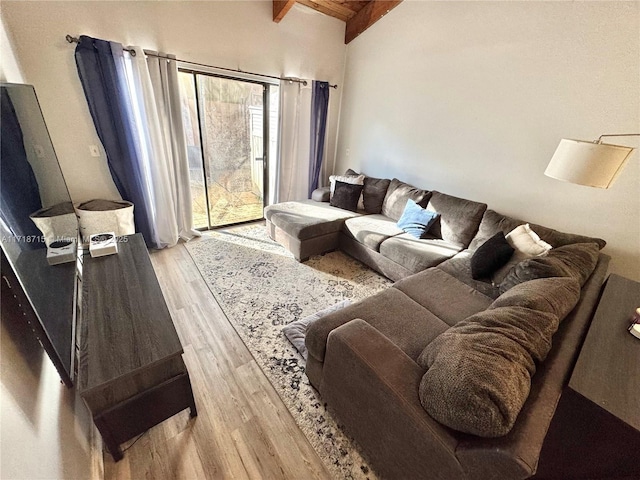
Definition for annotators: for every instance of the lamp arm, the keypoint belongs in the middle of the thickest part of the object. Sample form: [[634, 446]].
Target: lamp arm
[[617, 135]]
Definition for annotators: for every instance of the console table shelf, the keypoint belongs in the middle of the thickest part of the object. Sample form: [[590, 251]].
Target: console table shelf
[[595, 432], [131, 372]]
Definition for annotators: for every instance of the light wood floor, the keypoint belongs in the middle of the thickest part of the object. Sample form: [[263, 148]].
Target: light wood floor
[[243, 430]]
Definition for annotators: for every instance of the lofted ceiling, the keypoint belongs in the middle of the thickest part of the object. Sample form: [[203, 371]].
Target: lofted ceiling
[[358, 14]]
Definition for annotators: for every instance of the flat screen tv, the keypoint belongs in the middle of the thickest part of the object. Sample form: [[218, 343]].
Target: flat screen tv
[[38, 229]]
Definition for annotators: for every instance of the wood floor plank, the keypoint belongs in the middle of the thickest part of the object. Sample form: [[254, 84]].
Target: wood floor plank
[[243, 429]]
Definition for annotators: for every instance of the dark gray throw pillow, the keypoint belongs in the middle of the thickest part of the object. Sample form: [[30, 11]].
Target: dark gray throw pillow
[[492, 254], [346, 196], [375, 189], [373, 193]]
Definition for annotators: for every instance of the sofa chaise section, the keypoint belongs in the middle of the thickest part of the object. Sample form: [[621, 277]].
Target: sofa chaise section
[[306, 227], [367, 360]]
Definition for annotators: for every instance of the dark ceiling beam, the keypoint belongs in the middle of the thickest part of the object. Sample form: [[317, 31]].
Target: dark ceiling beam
[[366, 17], [329, 7], [280, 9]]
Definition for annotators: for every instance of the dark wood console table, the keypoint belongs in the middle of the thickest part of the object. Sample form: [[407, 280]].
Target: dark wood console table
[[131, 372], [595, 433]]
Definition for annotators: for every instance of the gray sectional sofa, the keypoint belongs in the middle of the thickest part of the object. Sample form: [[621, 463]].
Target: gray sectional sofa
[[312, 227], [444, 376]]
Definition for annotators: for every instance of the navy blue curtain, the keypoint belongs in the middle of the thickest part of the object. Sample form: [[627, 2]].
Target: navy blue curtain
[[101, 70], [19, 192], [319, 107]]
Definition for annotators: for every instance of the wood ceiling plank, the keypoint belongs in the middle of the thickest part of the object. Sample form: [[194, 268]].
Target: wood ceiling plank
[[329, 7], [366, 17], [354, 5], [280, 9]]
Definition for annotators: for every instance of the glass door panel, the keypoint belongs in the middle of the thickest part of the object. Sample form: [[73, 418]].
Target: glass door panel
[[225, 134], [231, 122]]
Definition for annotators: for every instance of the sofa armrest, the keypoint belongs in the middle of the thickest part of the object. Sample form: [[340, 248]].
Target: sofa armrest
[[321, 194], [372, 386]]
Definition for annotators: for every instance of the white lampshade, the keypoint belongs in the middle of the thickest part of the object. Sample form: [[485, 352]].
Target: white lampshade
[[587, 163]]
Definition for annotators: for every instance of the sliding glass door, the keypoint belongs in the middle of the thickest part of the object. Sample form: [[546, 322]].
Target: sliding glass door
[[227, 130]]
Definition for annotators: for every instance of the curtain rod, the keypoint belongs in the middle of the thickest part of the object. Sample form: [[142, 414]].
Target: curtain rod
[[71, 39]]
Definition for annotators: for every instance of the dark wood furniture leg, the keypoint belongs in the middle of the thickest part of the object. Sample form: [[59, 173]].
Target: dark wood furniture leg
[[143, 411], [112, 446]]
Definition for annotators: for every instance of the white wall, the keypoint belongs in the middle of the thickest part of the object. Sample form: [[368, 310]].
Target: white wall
[[471, 98], [232, 34], [9, 68], [45, 426]]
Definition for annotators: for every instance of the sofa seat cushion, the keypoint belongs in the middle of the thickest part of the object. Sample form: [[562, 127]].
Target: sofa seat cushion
[[403, 321], [307, 219], [460, 267], [443, 295], [492, 222], [371, 230], [417, 254]]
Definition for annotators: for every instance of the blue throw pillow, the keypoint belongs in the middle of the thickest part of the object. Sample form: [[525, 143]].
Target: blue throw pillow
[[416, 220]]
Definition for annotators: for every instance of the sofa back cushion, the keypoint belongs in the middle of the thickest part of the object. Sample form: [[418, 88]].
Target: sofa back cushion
[[375, 189], [576, 260], [492, 222], [397, 195], [459, 218], [479, 371], [557, 295]]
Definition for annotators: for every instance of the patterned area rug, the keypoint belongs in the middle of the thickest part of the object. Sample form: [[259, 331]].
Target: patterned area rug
[[261, 288]]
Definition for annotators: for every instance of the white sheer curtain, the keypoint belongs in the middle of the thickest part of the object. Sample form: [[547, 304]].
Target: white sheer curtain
[[292, 167], [156, 104]]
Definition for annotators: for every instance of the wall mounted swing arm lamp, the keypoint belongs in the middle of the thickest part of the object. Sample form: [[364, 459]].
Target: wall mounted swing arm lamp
[[594, 164]]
